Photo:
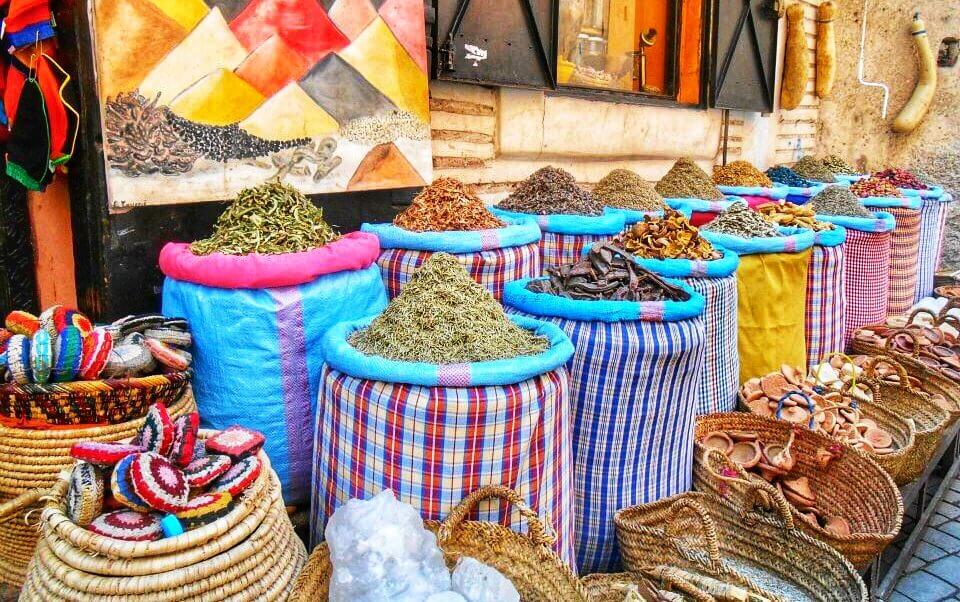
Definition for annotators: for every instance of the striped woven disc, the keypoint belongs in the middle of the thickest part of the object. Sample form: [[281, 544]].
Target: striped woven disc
[[240, 476], [41, 356], [102, 453], [96, 351], [22, 322], [127, 525], [236, 442], [185, 430], [85, 495], [203, 471], [158, 482], [46, 319], [205, 509], [18, 359], [122, 487], [68, 348], [156, 434]]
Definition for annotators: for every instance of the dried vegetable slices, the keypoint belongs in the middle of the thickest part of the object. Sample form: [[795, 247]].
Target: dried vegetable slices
[[127, 525]]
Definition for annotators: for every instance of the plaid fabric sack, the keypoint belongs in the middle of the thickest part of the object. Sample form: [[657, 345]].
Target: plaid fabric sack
[[866, 269], [434, 434], [700, 211], [565, 236], [634, 377], [825, 295], [904, 249], [933, 219], [491, 257]]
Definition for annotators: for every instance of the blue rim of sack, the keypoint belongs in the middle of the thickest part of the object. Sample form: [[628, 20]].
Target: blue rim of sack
[[934, 192], [517, 232], [849, 178], [516, 295], [703, 205], [726, 265], [808, 191], [633, 216], [344, 357], [881, 222], [794, 240], [823, 238], [775, 193], [887, 202], [611, 222]]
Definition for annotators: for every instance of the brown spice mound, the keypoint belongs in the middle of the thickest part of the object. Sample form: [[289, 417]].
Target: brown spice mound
[[447, 205], [669, 237], [551, 191], [624, 188], [686, 180], [740, 173]]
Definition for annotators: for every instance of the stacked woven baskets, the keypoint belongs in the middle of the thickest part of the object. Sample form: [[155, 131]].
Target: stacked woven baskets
[[251, 553], [31, 458]]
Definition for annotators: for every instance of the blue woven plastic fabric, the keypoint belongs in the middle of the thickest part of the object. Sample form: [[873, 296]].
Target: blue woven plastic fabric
[[775, 193], [881, 222], [344, 357], [633, 216], [611, 222], [887, 202], [691, 205], [690, 268], [804, 193], [257, 357], [518, 232], [516, 295], [934, 192], [794, 240], [851, 178]]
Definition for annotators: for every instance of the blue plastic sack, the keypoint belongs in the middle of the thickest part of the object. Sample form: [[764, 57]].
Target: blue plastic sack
[[611, 222], [793, 240], [517, 232], [886, 202], [344, 357], [934, 192], [517, 296], [801, 194], [690, 268], [634, 216], [257, 357], [775, 193], [881, 222], [692, 205], [822, 238]]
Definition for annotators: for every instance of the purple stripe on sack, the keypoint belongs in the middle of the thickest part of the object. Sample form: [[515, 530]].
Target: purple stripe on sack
[[489, 239], [653, 310], [543, 221], [453, 375], [296, 383], [715, 206], [698, 269], [790, 245]]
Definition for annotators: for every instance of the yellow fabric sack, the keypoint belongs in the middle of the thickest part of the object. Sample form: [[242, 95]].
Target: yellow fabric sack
[[772, 291]]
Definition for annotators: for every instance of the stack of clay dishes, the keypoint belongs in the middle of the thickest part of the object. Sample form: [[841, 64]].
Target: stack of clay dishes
[[803, 401]]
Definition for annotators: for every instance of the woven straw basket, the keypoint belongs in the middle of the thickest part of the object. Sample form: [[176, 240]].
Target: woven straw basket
[[612, 587], [852, 486], [31, 459], [764, 553], [251, 553], [90, 402], [527, 560]]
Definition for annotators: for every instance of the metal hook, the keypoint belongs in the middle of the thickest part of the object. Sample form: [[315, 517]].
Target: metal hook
[[860, 76]]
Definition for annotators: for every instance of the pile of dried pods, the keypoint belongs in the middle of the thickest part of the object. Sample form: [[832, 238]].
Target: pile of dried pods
[[901, 178], [874, 186], [608, 272], [447, 205], [669, 237], [785, 213]]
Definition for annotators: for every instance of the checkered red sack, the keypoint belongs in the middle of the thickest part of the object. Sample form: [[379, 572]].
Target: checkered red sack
[[904, 260], [825, 302], [867, 274]]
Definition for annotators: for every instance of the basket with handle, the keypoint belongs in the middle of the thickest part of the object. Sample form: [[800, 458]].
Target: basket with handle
[[852, 486], [527, 560], [251, 552], [89, 401], [31, 459], [613, 587], [766, 550]]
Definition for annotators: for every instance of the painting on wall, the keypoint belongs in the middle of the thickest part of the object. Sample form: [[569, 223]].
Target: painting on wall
[[201, 99]]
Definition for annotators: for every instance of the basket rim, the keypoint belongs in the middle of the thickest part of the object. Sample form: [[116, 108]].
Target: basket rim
[[92, 386]]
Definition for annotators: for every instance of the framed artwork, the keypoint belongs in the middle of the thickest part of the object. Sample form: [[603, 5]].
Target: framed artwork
[[202, 99]]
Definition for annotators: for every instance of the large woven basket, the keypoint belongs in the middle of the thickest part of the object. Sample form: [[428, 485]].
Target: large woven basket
[[527, 560], [31, 459], [251, 553], [612, 587], [765, 551], [89, 402], [852, 486]]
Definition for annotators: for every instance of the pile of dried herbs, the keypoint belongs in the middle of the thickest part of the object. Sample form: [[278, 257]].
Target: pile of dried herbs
[[271, 219], [838, 200], [669, 237], [551, 191], [739, 220], [443, 317], [836, 164], [624, 188], [447, 205], [609, 273], [686, 180], [813, 169], [740, 173]]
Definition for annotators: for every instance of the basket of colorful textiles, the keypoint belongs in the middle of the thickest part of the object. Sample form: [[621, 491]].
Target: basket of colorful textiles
[[61, 370], [173, 514], [31, 460], [512, 565]]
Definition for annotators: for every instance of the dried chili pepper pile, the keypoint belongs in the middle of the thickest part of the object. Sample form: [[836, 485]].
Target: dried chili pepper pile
[[874, 186], [610, 273], [447, 205], [624, 188], [669, 237], [551, 191], [686, 180], [740, 173], [901, 178], [785, 213]]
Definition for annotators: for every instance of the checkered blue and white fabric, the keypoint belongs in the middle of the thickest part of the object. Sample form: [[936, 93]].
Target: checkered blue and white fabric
[[933, 218], [434, 445], [558, 249], [633, 390], [825, 302], [720, 378], [492, 267]]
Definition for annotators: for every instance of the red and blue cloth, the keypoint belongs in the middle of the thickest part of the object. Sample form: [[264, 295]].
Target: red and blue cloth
[[720, 378], [826, 305]]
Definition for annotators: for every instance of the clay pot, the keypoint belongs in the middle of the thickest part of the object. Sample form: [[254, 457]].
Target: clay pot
[[837, 525], [795, 414], [792, 375], [778, 456], [718, 440], [774, 386], [825, 457], [770, 473], [878, 437], [738, 436], [799, 492], [746, 453]]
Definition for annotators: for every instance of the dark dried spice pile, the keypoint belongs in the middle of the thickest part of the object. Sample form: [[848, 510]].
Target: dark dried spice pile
[[813, 169], [140, 139], [607, 273], [551, 191], [624, 188], [686, 180], [784, 175], [447, 205], [224, 142]]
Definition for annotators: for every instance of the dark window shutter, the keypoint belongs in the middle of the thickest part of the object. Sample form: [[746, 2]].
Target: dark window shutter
[[744, 55], [496, 42]]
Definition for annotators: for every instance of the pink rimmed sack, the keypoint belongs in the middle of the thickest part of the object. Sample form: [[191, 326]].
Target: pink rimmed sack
[[257, 321], [491, 257]]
